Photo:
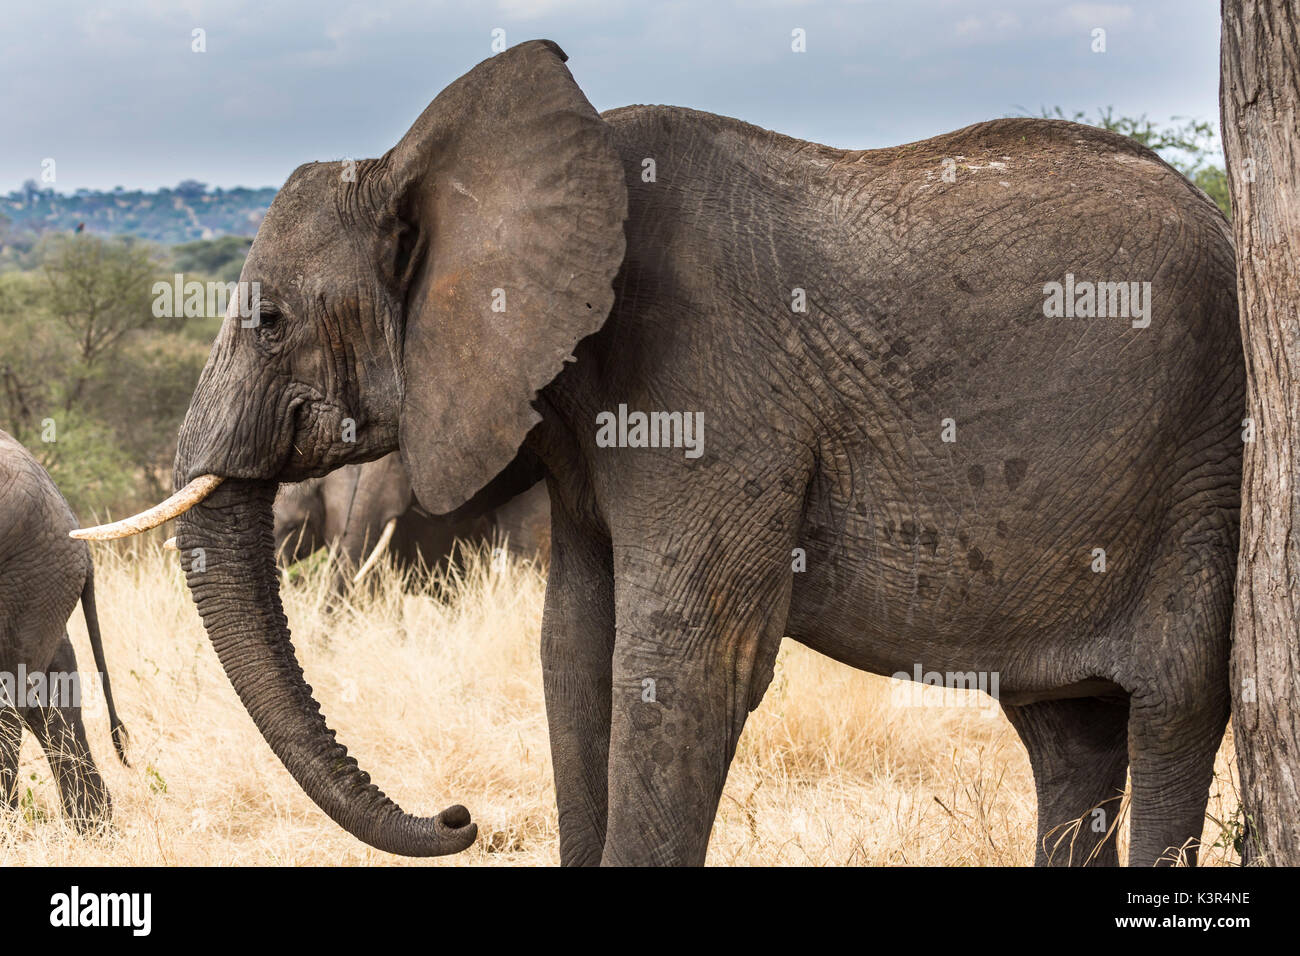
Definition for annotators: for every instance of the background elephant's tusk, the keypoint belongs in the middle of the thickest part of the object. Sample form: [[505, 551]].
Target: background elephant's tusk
[[380, 546], [179, 503], [170, 545]]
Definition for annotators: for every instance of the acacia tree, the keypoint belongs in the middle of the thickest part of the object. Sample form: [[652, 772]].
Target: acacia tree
[[1260, 101], [100, 290], [90, 380]]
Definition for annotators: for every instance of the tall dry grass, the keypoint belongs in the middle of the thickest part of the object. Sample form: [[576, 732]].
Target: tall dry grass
[[440, 698]]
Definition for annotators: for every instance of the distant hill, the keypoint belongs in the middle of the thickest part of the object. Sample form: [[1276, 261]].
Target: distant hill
[[189, 212]]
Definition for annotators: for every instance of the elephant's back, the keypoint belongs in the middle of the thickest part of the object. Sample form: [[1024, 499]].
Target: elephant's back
[[942, 245], [41, 568], [27, 491]]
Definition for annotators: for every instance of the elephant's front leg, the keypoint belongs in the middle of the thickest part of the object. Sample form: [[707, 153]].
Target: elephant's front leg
[[577, 642], [695, 651]]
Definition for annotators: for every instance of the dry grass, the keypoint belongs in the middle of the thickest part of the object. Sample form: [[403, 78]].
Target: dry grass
[[442, 703]]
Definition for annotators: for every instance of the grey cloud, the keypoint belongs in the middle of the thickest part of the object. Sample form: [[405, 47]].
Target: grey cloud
[[112, 92]]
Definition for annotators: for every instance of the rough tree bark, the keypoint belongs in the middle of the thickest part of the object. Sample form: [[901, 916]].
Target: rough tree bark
[[1260, 99]]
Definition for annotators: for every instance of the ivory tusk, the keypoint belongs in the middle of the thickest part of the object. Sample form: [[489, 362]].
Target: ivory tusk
[[376, 554], [177, 504], [170, 545]]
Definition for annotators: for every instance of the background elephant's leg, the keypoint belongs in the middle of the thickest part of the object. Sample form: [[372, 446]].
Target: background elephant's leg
[[62, 735], [1079, 752], [577, 644], [11, 738], [696, 644]]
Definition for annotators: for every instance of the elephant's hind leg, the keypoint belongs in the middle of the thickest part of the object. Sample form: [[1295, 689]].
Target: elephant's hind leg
[[1078, 749], [62, 735], [11, 738], [1180, 693], [1173, 748]]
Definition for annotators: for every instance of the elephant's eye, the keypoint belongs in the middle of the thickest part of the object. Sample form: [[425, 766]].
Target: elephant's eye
[[268, 317]]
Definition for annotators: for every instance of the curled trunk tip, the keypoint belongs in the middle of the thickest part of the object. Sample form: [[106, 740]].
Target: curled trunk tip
[[236, 589]]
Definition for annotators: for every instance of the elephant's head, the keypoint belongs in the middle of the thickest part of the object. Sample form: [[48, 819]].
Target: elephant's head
[[416, 301], [347, 509]]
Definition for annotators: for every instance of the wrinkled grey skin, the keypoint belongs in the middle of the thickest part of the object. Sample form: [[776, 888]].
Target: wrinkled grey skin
[[348, 509], [672, 579], [43, 572]]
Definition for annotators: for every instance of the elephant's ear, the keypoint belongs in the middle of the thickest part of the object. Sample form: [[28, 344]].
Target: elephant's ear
[[513, 199]]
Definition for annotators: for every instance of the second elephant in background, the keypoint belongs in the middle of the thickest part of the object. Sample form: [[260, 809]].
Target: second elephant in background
[[364, 511]]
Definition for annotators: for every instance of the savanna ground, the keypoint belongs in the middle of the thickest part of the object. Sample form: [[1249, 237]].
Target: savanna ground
[[441, 700]]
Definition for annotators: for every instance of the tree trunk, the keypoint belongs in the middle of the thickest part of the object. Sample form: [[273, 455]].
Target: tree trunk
[[1260, 100]]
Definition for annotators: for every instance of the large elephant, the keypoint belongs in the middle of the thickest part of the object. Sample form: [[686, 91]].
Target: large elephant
[[43, 573], [916, 408], [364, 511]]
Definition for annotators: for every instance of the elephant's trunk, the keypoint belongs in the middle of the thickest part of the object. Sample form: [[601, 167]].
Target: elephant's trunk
[[227, 549]]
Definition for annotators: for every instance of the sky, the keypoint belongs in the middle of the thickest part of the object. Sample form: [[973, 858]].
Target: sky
[[114, 92]]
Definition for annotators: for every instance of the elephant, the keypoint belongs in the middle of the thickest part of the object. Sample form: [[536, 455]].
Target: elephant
[[967, 406], [364, 510], [43, 572]]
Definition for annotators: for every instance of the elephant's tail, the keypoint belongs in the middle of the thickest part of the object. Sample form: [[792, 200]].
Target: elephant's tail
[[97, 647]]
